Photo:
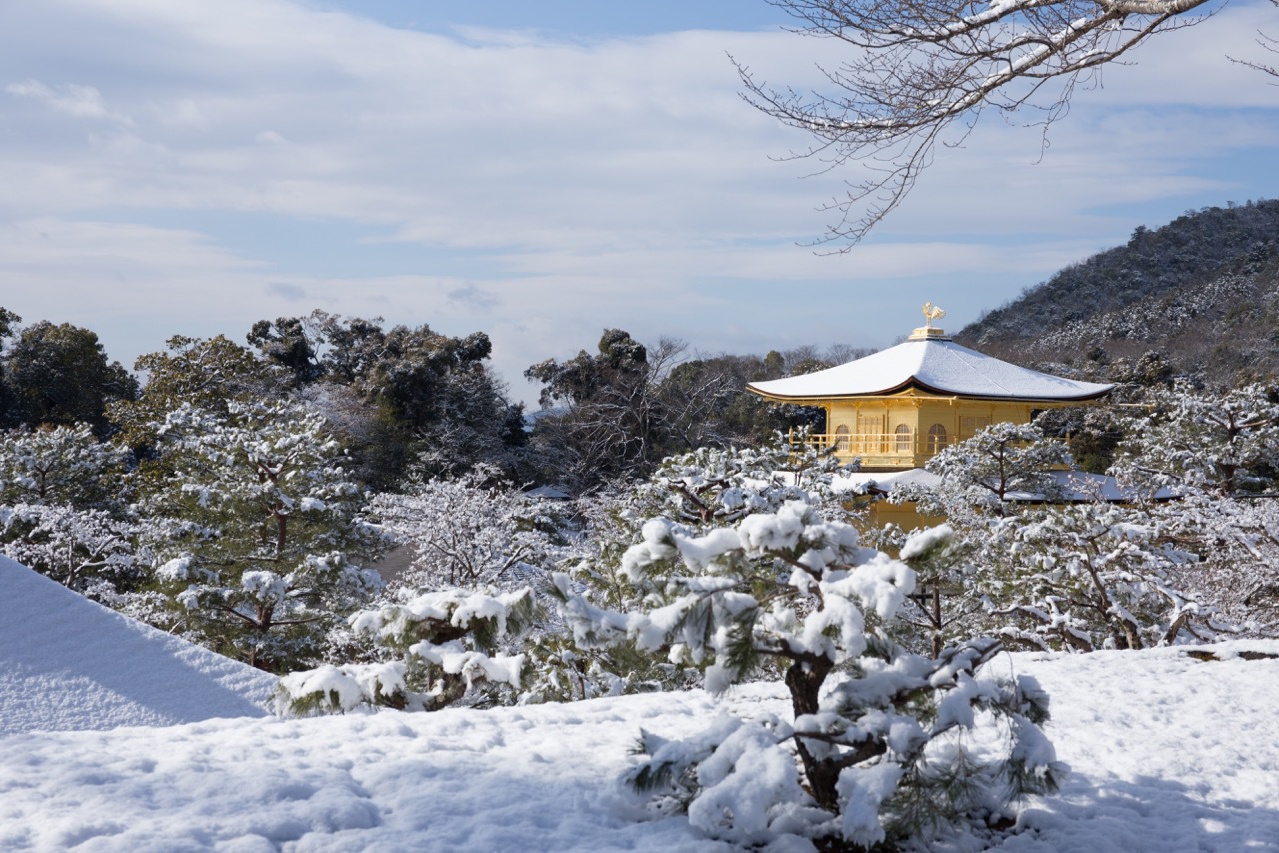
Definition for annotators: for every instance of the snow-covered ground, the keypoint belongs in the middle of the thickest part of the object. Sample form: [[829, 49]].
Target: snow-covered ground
[[1169, 753], [69, 663]]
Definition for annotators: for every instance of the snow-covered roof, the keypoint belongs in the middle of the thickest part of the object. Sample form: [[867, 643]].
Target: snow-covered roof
[[1075, 486], [935, 364]]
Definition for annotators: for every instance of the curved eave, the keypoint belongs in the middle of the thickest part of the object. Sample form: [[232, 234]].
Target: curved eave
[[913, 384]]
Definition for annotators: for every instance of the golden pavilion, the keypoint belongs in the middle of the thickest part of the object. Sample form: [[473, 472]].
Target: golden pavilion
[[897, 408]]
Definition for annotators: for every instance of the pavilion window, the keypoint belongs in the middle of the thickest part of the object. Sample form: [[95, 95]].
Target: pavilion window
[[841, 438], [903, 439], [936, 438]]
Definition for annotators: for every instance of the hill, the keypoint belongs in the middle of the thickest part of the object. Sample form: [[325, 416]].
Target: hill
[[1202, 290], [70, 664]]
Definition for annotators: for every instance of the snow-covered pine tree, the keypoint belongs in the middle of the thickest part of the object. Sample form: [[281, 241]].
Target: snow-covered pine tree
[[701, 490], [1048, 574], [1092, 576], [64, 465], [1218, 453], [1239, 538], [875, 729], [427, 651], [980, 480], [1190, 440], [63, 512], [984, 474], [88, 550], [259, 532]]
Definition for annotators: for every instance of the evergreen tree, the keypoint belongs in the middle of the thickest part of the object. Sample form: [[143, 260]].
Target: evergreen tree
[[874, 732], [64, 513], [64, 465], [260, 532], [60, 375], [1190, 440], [205, 373]]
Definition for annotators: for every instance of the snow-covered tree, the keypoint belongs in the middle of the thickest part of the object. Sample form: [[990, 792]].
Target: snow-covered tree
[[466, 533], [875, 729], [63, 512], [88, 550], [986, 472], [203, 373], [1218, 453], [1092, 576], [714, 486], [1040, 572], [1190, 440], [429, 651], [453, 628], [980, 480], [60, 465], [265, 532], [1239, 541], [701, 490]]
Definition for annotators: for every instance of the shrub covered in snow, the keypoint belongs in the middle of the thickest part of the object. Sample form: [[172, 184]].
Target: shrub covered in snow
[[464, 532], [429, 649], [873, 752]]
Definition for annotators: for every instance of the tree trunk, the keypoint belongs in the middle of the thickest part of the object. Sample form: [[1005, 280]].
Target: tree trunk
[[937, 624], [805, 679]]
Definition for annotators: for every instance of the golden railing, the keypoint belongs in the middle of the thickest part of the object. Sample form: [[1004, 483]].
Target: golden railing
[[874, 444]]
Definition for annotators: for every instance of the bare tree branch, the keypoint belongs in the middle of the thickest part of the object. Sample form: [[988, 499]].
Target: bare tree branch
[[920, 72], [1269, 43]]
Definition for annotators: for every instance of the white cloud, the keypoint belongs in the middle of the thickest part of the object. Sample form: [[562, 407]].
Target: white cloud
[[70, 98], [288, 290], [545, 188], [471, 296]]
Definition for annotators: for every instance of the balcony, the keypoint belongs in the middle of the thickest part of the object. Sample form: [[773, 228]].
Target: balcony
[[876, 450]]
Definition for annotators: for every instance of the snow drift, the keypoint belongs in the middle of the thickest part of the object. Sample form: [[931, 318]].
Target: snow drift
[[1168, 753], [67, 664]]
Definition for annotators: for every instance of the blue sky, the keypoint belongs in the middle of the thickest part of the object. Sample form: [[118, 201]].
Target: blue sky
[[569, 18], [542, 171]]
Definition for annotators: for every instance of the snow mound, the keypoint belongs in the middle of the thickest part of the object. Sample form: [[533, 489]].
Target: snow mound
[[70, 664], [1168, 752]]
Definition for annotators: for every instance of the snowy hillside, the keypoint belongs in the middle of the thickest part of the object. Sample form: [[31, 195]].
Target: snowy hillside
[[67, 663], [1209, 277], [1169, 753]]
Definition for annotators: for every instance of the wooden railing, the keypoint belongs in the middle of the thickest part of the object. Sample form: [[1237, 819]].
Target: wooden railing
[[875, 448]]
